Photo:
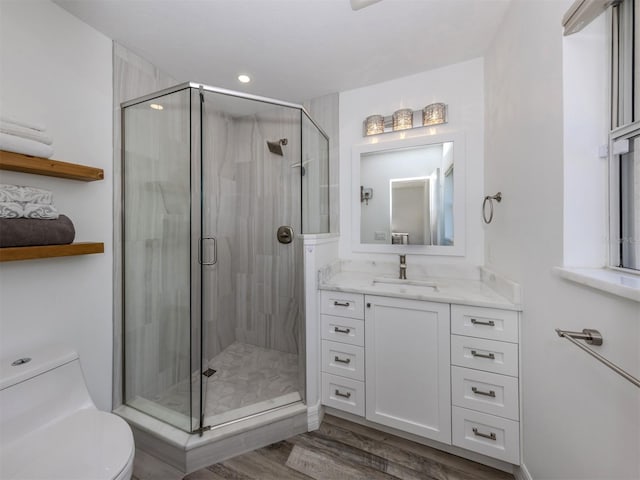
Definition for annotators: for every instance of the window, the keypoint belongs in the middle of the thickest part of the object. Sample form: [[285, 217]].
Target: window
[[625, 137]]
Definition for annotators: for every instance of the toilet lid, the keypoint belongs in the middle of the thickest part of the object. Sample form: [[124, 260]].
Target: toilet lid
[[88, 445]]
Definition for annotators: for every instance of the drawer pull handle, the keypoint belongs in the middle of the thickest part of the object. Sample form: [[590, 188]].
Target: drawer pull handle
[[343, 395], [490, 436], [490, 323], [342, 330], [340, 304], [490, 356], [490, 393], [340, 360]]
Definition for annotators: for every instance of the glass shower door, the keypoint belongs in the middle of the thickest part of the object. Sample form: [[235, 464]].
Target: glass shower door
[[161, 373], [252, 294]]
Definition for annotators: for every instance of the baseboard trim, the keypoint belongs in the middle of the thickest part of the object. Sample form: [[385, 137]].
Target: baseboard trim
[[315, 414], [521, 473]]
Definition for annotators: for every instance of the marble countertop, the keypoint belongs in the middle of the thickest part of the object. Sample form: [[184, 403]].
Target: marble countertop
[[461, 291]]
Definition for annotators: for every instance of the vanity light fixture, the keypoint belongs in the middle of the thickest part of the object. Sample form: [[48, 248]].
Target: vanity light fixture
[[374, 124], [434, 114], [402, 119], [156, 106]]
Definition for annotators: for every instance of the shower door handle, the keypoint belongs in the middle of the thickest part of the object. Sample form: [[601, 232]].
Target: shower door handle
[[201, 250]]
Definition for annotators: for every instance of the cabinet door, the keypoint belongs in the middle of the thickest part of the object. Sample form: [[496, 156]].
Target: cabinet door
[[407, 366]]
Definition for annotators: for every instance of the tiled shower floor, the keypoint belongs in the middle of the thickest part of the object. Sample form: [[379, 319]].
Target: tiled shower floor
[[246, 374], [248, 380]]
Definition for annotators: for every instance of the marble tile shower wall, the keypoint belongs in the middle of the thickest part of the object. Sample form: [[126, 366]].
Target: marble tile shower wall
[[268, 297]]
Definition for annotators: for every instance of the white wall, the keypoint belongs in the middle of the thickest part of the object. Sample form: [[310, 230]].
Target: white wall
[[461, 87], [57, 70], [581, 421]]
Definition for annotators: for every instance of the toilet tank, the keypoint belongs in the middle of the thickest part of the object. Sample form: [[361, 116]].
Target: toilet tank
[[37, 392]]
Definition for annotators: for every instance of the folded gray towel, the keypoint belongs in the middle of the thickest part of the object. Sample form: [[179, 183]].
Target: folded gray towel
[[24, 232]]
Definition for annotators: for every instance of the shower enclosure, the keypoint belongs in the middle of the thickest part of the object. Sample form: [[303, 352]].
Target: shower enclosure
[[217, 188]]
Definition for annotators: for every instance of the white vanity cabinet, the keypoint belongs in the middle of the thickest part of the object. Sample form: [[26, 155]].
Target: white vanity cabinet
[[407, 366], [442, 371], [484, 381]]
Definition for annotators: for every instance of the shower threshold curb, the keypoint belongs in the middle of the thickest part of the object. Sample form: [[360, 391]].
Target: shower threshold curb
[[190, 452]]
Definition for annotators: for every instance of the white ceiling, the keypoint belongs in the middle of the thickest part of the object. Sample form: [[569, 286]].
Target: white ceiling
[[295, 50]]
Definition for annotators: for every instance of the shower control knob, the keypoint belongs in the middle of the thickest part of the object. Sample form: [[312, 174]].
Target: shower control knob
[[285, 234]]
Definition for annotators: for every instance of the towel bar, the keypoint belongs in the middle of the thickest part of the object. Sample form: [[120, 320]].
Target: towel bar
[[593, 337]]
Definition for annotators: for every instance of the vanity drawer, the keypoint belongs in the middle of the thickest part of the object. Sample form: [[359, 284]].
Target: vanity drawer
[[343, 393], [343, 329], [488, 355], [343, 359], [486, 434], [485, 392], [342, 304], [490, 323]]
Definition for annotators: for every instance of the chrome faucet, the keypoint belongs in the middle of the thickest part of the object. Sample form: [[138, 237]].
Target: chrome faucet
[[403, 267]]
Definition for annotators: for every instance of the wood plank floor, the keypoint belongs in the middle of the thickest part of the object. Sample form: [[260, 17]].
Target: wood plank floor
[[344, 450]]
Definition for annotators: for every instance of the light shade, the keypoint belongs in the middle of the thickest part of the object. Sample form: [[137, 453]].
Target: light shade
[[434, 114], [374, 124], [402, 119]]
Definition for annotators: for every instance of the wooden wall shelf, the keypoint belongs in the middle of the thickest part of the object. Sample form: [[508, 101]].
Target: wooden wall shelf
[[18, 162], [9, 254]]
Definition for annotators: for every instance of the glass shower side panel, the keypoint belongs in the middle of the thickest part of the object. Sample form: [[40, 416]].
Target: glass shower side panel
[[315, 178], [157, 264]]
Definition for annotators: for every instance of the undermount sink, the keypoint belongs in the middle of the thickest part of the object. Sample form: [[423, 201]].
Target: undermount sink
[[402, 281]]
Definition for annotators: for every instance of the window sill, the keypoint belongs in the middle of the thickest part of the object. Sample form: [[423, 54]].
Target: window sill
[[624, 285]]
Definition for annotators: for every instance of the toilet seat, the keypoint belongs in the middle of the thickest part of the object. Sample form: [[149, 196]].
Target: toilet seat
[[86, 445]]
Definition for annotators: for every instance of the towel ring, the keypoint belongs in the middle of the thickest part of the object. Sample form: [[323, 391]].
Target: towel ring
[[489, 199]]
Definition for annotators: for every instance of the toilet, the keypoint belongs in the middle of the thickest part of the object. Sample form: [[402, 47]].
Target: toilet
[[49, 426]]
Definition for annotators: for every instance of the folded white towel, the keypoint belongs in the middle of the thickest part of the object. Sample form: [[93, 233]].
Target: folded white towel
[[25, 146], [40, 211], [28, 210], [11, 210], [25, 132], [23, 123], [17, 193]]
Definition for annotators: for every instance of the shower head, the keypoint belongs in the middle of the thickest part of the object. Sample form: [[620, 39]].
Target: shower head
[[276, 147]]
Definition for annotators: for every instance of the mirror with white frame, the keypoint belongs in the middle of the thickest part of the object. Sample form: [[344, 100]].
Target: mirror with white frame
[[408, 196]]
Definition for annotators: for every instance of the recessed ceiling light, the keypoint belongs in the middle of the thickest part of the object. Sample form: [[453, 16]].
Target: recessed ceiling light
[[244, 78], [156, 106]]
